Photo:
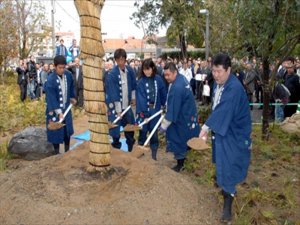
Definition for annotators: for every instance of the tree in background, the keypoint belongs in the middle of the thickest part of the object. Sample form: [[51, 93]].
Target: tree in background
[[268, 30], [31, 17], [182, 17], [92, 52], [8, 37]]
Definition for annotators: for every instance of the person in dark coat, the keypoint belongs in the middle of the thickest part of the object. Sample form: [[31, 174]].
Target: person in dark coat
[[292, 83], [249, 82], [77, 74], [59, 89], [151, 96], [230, 123], [32, 77], [120, 93], [22, 79], [180, 122]]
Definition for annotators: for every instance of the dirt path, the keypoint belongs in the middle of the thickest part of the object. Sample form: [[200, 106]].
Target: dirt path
[[58, 190]]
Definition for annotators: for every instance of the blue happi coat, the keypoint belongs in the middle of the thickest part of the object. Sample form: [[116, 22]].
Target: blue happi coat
[[151, 94], [54, 100], [113, 88], [182, 113], [230, 123]]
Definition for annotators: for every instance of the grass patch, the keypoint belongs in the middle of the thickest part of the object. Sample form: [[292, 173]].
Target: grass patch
[[16, 115], [4, 155], [270, 194]]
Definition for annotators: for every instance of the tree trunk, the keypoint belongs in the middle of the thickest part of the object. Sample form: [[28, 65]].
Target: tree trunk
[[183, 46], [266, 99], [94, 98]]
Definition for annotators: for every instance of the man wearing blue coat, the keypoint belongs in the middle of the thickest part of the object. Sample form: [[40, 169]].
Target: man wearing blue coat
[[59, 89], [120, 93], [180, 122], [230, 123]]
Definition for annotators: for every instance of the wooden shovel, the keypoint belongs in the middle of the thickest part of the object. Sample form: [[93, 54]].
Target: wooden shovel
[[59, 124], [144, 147], [131, 127], [113, 124], [197, 143]]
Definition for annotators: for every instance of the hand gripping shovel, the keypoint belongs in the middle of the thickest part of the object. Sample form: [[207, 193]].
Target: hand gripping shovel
[[144, 147], [197, 143], [113, 124], [131, 127], [59, 124]]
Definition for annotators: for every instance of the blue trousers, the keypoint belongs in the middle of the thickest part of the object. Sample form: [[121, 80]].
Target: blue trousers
[[153, 141], [128, 118]]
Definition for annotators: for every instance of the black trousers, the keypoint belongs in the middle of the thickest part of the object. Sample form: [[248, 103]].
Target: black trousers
[[259, 94], [79, 97], [66, 142], [23, 91]]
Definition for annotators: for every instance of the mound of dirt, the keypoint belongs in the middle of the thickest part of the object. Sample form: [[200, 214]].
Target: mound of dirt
[[59, 190]]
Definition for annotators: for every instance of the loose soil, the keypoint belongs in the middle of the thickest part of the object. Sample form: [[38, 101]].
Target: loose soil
[[59, 190]]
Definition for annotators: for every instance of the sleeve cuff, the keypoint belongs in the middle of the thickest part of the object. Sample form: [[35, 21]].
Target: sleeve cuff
[[58, 111], [133, 94], [118, 107], [205, 128], [165, 124]]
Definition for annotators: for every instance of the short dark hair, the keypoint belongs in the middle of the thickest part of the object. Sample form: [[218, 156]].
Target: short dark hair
[[289, 58], [171, 66], [59, 60], [222, 59], [148, 63], [120, 53]]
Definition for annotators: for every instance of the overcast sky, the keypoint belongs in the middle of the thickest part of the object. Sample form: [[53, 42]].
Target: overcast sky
[[114, 18]]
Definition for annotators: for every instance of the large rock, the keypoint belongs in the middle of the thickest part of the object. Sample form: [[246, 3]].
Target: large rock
[[291, 124], [31, 144]]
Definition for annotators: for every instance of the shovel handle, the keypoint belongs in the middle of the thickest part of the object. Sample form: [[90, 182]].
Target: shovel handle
[[122, 114], [66, 112], [153, 131], [150, 118]]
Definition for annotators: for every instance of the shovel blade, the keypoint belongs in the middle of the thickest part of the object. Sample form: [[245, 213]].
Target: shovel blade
[[55, 125], [197, 144], [131, 127], [111, 125]]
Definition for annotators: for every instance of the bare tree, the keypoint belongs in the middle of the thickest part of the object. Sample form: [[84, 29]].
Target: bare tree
[[8, 37], [31, 17]]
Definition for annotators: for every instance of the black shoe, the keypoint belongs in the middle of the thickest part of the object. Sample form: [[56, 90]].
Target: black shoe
[[153, 154], [228, 199], [180, 165], [67, 148], [116, 145], [130, 148], [56, 150]]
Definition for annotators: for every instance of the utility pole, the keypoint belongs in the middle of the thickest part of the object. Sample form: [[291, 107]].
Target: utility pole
[[206, 12], [53, 27]]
